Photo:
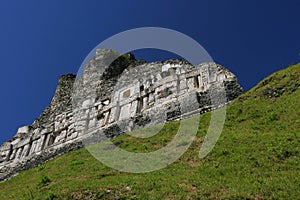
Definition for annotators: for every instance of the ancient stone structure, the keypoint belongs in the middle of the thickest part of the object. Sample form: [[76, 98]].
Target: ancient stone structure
[[116, 97]]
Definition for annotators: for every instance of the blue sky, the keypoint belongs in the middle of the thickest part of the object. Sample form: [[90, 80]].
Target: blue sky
[[41, 40]]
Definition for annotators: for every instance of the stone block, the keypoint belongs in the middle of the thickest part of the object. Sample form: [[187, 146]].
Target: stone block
[[23, 130], [125, 112]]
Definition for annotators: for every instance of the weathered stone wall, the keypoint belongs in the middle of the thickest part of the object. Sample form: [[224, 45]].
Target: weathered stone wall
[[60, 103], [116, 98]]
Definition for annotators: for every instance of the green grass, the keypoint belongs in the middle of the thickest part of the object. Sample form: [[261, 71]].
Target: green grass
[[256, 157]]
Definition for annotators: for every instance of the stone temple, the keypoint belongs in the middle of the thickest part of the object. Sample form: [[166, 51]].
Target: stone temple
[[116, 97]]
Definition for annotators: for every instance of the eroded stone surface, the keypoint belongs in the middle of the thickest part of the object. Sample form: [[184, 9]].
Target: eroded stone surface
[[116, 98]]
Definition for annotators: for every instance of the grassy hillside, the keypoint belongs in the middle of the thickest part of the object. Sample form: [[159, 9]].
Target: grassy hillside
[[256, 157]]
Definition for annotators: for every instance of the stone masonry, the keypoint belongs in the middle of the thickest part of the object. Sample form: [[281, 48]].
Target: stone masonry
[[115, 98]]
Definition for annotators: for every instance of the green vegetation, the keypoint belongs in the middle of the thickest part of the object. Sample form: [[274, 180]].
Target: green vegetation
[[256, 157], [44, 180]]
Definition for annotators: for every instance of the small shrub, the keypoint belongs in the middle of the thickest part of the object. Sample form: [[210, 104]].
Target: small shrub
[[76, 162], [255, 114], [163, 141], [30, 193], [272, 117], [50, 196], [255, 127], [225, 153], [41, 167], [43, 180], [145, 147], [241, 119]]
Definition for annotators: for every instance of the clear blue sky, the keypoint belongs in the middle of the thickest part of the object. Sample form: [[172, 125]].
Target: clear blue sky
[[41, 40]]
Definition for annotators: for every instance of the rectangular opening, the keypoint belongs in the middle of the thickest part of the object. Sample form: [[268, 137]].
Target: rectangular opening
[[51, 140], [140, 105], [196, 82]]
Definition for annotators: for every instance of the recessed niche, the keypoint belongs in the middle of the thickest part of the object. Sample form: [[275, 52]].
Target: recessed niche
[[126, 94]]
